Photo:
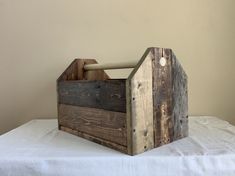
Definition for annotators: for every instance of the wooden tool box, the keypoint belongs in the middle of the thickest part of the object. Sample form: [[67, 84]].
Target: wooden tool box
[[133, 115]]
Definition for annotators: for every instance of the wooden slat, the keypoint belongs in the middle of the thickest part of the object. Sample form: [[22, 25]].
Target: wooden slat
[[106, 125], [158, 94], [179, 99], [108, 95], [140, 107], [95, 139], [169, 98]]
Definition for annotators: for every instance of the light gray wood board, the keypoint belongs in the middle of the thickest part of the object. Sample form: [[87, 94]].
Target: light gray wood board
[[140, 107]]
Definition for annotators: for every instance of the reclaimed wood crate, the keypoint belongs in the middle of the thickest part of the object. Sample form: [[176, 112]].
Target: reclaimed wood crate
[[133, 115]]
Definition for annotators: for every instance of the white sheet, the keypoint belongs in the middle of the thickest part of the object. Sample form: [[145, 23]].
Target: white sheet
[[38, 148]]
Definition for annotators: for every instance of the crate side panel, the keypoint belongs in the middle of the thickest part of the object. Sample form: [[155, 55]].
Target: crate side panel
[[179, 100], [169, 100], [107, 125], [108, 95]]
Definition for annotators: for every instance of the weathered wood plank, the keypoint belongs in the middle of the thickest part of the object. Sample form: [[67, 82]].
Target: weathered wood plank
[[97, 140], [158, 95], [179, 99], [140, 107], [106, 125], [162, 97], [80, 71], [108, 94], [169, 97]]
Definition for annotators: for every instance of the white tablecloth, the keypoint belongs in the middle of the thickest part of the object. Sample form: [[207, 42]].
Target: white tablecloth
[[38, 148]]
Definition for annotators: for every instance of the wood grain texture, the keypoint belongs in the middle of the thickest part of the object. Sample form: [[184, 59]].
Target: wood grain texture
[[80, 71], [108, 94], [97, 140], [179, 99], [106, 125], [140, 113], [169, 98]]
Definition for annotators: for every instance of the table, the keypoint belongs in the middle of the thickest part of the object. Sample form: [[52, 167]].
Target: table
[[39, 148]]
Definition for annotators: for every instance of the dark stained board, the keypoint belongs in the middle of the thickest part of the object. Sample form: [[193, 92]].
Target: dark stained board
[[108, 94], [179, 100]]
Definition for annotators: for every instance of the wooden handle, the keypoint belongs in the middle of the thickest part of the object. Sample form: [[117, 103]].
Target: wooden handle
[[109, 66]]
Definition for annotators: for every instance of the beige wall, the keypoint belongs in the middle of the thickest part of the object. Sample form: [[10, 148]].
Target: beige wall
[[39, 38]]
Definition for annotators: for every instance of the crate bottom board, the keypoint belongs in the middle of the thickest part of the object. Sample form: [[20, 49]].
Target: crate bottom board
[[103, 142]]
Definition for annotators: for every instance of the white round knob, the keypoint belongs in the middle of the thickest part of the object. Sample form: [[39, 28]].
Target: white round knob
[[163, 61]]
